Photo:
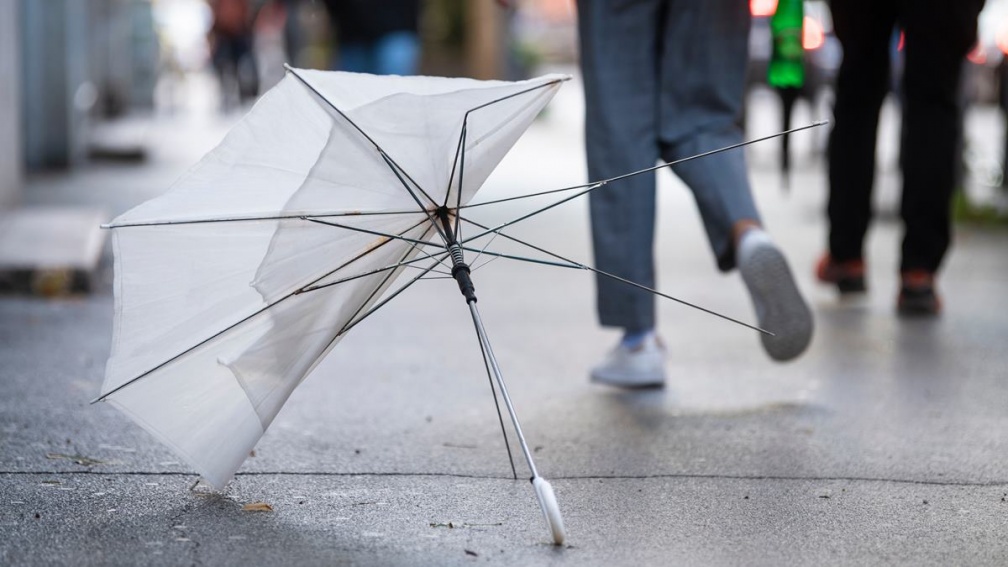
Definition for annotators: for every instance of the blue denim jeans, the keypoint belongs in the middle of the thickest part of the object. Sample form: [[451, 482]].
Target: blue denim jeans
[[663, 79]]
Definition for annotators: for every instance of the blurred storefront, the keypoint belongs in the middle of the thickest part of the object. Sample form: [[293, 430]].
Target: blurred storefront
[[81, 61], [71, 65]]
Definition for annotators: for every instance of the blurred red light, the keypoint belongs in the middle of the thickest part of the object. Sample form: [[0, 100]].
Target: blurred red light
[[1001, 39], [762, 8], [812, 34], [977, 55]]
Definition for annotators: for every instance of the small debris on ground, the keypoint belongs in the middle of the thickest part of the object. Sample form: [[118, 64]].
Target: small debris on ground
[[471, 552], [77, 459], [257, 507]]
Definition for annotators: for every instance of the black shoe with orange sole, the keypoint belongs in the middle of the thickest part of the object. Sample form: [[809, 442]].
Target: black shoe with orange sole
[[917, 296], [848, 275]]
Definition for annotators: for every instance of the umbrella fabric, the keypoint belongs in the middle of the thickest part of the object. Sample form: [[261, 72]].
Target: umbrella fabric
[[230, 287]]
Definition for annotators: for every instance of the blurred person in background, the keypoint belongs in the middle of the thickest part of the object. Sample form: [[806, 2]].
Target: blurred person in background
[[937, 35], [270, 43], [664, 80], [231, 51], [376, 36]]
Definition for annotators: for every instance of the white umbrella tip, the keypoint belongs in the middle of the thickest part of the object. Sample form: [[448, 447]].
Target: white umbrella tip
[[550, 509]]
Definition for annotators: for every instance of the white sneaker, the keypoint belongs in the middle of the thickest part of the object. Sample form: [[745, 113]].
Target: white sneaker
[[779, 305], [639, 367]]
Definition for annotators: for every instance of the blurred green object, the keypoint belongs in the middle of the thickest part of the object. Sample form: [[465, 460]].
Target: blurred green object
[[787, 65], [989, 214]]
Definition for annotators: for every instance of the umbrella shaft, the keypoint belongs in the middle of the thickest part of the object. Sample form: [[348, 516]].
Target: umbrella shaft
[[460, 270], [495, 369]]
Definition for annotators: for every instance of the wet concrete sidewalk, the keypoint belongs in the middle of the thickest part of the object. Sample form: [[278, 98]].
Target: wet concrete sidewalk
[[884, 444]]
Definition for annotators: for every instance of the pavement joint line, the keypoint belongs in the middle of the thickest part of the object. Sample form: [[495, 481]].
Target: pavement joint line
[[683, 476]]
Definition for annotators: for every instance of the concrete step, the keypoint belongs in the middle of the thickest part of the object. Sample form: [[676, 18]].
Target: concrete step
[[50, 251]]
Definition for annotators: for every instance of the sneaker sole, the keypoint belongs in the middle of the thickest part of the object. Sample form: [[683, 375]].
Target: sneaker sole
[[779, 305], [628, 384]]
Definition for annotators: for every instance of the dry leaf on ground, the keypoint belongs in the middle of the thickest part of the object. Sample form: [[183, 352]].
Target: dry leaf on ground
[[257, 507]]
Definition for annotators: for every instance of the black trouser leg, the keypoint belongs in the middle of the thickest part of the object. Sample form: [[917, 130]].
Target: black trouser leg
[[864, 28], [938, 37]]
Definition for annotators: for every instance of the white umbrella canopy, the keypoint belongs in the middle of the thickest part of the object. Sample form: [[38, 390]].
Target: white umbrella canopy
[[233, 285]]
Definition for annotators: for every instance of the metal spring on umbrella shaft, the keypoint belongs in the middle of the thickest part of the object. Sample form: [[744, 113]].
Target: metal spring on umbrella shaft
[[460, 271], [456, 255]]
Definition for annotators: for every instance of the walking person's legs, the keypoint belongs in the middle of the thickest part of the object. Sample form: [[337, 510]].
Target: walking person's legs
[[703, 64], [865, 28]]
